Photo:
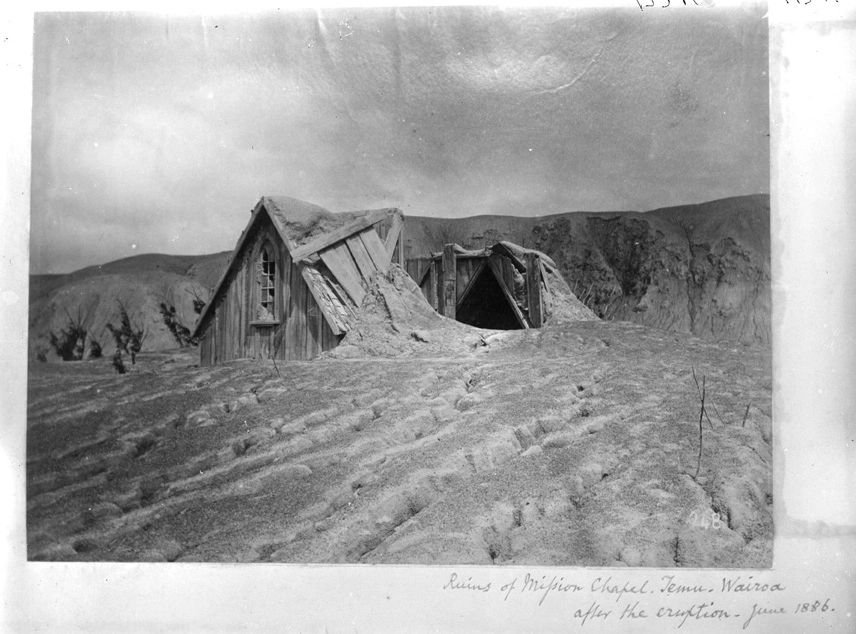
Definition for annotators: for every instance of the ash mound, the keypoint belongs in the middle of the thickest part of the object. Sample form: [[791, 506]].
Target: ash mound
[[396, 320], [561, 306]]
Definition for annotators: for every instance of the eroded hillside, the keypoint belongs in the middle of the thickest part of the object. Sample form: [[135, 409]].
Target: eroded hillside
[[701, 269], [91, 297]]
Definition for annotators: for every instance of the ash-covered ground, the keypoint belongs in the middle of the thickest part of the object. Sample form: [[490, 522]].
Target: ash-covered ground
[[570, 445]]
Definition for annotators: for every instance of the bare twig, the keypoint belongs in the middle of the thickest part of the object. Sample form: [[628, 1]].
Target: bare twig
[[700, 425], [715, 411], [701, 395], [746, 414]]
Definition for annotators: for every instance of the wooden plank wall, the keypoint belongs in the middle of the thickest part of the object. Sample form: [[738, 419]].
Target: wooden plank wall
[[302, 331], [417, 267], [412, 267], [469, 276], [424, 272]]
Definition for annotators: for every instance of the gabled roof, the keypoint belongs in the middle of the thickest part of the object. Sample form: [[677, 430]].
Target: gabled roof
[[337, 254]]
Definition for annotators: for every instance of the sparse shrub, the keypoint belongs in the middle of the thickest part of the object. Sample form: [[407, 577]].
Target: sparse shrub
[[198, 302], [178, 330], [41, 354], [128, 338], [94, 348], [118, 364], [702, 393], [70, 343]]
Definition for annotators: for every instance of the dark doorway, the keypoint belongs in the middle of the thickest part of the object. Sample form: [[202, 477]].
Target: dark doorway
[[485, 305]]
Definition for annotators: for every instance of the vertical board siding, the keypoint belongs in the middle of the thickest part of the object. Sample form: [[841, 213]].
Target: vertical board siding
[[466, 269], [412, 267], [290, 314], [296, 327], [278, 335], [205, 347], [313, 323], [438, 287], [476, 270]]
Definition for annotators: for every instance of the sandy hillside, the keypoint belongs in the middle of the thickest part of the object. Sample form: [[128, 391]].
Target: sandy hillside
[[573, 445]]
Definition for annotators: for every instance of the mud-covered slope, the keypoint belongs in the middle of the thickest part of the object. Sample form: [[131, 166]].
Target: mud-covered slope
[[701, 269]]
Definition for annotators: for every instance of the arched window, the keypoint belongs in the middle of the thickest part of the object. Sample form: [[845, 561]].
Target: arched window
[[266, 284]]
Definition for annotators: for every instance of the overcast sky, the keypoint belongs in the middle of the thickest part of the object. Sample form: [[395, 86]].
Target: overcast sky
[[155, 133]]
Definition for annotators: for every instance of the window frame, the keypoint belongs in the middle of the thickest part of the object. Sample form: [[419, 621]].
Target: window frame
[[266, 287]]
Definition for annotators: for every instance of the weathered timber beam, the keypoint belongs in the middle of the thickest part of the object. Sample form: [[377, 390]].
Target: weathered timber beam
[[450, 276], [533, 289], [393, 235]]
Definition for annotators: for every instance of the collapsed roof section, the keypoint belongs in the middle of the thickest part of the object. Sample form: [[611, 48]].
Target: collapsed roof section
[[504, 287]]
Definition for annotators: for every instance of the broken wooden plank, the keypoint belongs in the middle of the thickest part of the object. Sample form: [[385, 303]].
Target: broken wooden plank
[[338, 259], [401, 245], [450, 281], [393, 234], [533, 289], [547, 298], [432, 283], [332, 237], [376, 249], [361, 257], [313, 280]]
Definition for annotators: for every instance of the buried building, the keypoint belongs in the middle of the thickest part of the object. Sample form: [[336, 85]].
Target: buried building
[[295, 279], [502, 287]]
